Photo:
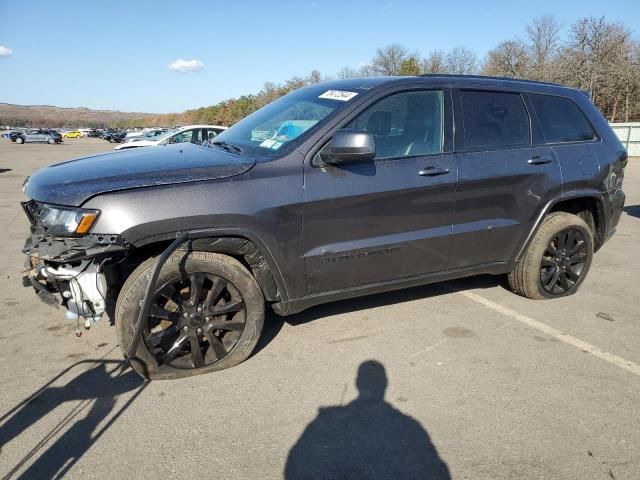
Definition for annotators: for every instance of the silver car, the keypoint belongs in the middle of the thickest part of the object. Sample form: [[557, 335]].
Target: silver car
[[39, 135]]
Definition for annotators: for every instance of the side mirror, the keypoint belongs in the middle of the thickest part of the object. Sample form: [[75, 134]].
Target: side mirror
[[349, 146]]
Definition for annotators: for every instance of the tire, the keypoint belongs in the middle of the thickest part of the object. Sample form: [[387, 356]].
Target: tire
[[155, 346], [51, 141], [557, 260], [19, 140]]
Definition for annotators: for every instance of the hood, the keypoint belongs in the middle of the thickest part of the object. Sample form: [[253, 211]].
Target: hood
[[75, 181]]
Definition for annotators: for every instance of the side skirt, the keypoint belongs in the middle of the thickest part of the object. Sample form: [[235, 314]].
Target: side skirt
[[299, 304]]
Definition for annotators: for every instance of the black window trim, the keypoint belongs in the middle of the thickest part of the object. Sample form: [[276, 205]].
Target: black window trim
[[459, 120], [447, 123], [597, 139]]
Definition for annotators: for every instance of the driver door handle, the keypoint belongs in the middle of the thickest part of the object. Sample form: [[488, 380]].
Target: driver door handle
[[538, 160], [433, 171]]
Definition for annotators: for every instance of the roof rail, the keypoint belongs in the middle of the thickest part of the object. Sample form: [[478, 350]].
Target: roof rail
[[485, 77]]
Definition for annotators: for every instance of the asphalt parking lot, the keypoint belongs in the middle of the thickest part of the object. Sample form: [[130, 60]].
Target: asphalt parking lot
[[462, 379]]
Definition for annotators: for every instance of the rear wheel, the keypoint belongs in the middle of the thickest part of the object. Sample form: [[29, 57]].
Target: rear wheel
[[19, 140], [207, 314], [51, 141], [556, 261]]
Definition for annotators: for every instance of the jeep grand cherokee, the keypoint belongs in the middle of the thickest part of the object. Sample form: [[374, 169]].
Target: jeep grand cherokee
[[336, 190]]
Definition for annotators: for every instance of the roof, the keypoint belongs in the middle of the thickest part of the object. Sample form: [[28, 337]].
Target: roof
[[367, 83], [185, 127], [484, 77]]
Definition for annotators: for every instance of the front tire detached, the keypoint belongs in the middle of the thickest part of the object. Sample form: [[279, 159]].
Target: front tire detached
[[556, 261], [207, 315]]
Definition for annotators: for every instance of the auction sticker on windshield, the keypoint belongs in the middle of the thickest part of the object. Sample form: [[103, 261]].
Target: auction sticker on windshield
[[341, 95]]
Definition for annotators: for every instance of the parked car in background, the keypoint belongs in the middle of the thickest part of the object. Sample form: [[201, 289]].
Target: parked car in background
[[153, 134], [13, 135], [113, 135], [197, 134], [72, 134], [145, 132], [38, 135]]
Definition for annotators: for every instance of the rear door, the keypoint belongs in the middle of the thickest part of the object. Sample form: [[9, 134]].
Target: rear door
[[571, 136], [389, 218], [506, 176]]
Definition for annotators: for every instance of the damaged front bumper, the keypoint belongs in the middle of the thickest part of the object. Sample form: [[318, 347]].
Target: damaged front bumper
[[68, 271]]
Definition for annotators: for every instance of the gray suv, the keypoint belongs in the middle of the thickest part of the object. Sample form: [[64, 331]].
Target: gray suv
[[336, 190]]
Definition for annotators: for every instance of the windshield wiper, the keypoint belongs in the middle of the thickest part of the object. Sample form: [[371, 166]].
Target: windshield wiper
[[227, 146]]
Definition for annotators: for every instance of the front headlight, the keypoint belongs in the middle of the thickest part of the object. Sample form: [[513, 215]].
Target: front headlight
[[65, 221]]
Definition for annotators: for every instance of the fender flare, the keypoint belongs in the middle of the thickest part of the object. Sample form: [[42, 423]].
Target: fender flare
[[215, 233], [586, 193]]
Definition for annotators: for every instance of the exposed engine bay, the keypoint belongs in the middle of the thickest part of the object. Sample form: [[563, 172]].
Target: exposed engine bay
[[69, 272]]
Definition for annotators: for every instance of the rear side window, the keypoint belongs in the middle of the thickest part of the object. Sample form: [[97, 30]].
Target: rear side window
[[561, 119], [494, 120]]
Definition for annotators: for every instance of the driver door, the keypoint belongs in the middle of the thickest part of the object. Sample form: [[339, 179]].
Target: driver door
[[389, 218]]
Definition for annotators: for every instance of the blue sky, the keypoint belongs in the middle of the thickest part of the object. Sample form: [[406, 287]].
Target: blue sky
[[116, 54]]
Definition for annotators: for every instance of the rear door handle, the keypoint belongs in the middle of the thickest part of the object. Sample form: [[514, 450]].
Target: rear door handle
[[538, 160], [433, 171]]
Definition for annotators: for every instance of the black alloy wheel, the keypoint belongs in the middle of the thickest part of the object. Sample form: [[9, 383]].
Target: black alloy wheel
[[563, 262], [195, 322]]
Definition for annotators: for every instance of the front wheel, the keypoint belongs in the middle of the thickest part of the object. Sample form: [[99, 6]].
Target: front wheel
[[51, 141], [20, 140], [556, 261], [207, 314]]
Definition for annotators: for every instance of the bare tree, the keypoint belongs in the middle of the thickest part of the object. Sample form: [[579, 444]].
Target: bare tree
[[461, 61], [348, 72], [592, 58], [434, 63], [508, 59], [543, 40], [388, 59], [314, 77]]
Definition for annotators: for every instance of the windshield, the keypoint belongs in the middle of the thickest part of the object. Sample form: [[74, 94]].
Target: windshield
[[286, 121], [165, 135]]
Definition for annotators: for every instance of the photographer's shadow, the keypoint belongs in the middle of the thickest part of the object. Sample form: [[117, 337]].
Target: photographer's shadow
[[366, 439]]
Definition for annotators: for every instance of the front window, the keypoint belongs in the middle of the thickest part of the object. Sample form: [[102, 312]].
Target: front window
[[287, 121], [404, 124]]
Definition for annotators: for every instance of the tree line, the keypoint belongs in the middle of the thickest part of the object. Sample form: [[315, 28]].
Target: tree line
[[595, 55]]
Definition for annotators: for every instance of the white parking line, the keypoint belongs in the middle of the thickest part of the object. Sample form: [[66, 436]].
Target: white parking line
[[563, 337]]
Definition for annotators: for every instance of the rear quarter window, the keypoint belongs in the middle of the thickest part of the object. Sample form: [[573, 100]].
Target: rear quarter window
[[561, 119], [494, 120]]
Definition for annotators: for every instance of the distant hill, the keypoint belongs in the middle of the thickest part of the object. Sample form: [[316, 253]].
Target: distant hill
[[50, 116]]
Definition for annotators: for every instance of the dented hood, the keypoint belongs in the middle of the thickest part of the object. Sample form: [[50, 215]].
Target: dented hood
[[75, 181]]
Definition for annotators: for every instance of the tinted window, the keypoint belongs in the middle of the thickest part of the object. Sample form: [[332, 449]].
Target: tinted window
[[404, 124], [494, 120], [561, 119]]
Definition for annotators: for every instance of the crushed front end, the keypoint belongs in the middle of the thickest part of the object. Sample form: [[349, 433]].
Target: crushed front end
[[66, 265]]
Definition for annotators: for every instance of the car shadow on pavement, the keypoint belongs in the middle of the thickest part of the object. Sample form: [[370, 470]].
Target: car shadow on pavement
[[4, 170], [368, 438], [93, 393], [633, 210]]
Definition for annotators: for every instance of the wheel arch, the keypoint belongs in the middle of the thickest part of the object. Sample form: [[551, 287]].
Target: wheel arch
[[241, 244], [587, 204]]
